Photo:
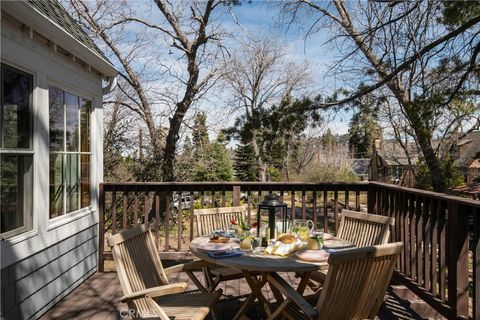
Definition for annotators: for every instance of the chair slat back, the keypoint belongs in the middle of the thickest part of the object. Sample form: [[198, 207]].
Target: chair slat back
[[137, 262], [364, 229], [217, 218], [356, 282]]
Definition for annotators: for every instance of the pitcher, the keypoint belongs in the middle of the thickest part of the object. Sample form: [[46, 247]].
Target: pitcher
[[302, 228]]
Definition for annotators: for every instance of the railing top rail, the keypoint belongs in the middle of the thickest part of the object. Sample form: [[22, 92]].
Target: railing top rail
[[431, 194], [219, 186]]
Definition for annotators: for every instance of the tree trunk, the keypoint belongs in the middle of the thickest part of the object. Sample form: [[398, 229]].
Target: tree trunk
[[261, 165]]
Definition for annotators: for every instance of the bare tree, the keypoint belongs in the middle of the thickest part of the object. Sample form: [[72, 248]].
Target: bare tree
[[401, 47], [151, 83], [259, 77]]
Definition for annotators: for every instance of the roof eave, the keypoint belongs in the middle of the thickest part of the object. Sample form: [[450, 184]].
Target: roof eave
[[47, 28]]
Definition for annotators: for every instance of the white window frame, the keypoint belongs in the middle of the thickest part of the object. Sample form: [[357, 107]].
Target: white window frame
[[67, 217], [29, 227]]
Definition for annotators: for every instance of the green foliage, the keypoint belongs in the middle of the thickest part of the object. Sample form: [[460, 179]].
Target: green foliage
[[245, 165], [453, 177], [210, 161], [458, 12], [364, 127]]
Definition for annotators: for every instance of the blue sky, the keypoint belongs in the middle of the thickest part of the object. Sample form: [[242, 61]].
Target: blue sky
[[260, 17]]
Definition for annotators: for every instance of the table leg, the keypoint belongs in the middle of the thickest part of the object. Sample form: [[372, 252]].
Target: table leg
[[303, 283], [256, 285]]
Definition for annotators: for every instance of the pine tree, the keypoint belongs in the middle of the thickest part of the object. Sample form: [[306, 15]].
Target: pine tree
[[364, 128], [245, 165]]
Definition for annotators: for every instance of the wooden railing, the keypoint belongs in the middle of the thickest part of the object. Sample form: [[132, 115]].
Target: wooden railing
[[441, 257]]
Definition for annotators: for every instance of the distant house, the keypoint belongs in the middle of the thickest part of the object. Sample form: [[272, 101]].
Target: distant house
[[53, 79], [391, 163], [468, 160], [360, 167]]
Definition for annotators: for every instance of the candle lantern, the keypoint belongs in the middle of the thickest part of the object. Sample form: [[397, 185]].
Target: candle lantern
[[274, 209]]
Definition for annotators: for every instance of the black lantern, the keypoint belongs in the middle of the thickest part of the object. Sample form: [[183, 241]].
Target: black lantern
[[272, 206]]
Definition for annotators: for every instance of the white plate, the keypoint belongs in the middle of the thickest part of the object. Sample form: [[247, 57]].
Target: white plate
[[337, 244], [312, 255], [214, 247]]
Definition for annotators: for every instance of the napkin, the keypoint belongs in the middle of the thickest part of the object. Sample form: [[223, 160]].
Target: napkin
[[223, 255]]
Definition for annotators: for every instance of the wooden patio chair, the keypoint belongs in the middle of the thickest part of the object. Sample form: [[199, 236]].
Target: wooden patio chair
[[145, 284], [217, 219], [363, 230], [355, 286]]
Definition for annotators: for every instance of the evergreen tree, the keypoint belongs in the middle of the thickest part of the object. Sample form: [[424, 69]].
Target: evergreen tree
[[364, 129], [245, 165], [211, 161], [328, 140]]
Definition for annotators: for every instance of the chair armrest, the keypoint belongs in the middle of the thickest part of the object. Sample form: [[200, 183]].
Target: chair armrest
[[156, 291], [189, 266]]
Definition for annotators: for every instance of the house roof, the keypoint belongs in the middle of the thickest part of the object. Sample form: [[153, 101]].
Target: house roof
[[394, 154], [360, 166], [51, 21], [468, 148], [54, 11]]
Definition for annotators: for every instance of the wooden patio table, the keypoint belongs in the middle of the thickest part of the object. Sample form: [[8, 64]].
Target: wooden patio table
[[268, 266]]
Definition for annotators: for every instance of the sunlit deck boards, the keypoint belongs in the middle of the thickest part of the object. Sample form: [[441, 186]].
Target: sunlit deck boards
[[97, 299]]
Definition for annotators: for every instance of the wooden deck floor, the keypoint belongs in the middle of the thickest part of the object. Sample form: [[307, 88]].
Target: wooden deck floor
[[97, 299]]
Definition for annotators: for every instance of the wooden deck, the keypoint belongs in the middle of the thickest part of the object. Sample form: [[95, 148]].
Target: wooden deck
[[97, 298]]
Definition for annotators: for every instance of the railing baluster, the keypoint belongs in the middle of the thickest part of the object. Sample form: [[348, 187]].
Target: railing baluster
[[442, 249], [434, 247], [167, 218], [325, 211], [315, 217], [114, 211], [426, 230], [135, 207], [418, 237], [357, 200], [335, 210], [347, 200], [412, 239], [192, 217], [157, 220], [125, 209], [292, 200], [224, 202], [304, 211], [476, 263]]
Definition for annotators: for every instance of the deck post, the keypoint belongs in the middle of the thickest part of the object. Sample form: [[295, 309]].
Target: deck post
[[236, 196], [101, 228], [458, 262]]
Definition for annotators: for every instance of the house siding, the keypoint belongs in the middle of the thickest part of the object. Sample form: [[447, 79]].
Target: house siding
[[31, 286], [43, 265]]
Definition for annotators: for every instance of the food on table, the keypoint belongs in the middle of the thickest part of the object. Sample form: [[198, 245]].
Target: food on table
[[280, 248], [286, 238], [219, 239]]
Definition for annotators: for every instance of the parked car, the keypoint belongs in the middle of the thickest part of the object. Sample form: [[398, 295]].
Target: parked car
[[182, 202]]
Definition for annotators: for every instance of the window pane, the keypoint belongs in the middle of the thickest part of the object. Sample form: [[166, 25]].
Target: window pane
[[56, 185], [16, 95], [72, 114], [85, 180], [72, 182], [56, 119], [85, 125], [16, 182]]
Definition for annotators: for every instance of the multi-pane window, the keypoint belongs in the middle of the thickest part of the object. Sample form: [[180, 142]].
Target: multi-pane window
[[69, 152], [16, 152]]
